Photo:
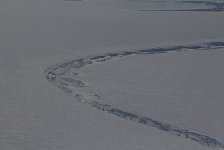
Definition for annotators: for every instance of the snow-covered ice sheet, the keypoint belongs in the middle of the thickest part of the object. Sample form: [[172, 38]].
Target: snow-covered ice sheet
[[35, 34], [173, 90]]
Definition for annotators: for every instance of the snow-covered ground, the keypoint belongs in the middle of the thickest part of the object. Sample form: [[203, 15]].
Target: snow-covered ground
[[181, 89]]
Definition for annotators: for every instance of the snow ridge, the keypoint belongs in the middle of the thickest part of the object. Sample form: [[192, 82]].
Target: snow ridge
[[64, 76]]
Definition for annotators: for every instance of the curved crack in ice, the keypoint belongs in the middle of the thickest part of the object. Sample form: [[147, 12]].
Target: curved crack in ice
[[62, 77], [217, 6]]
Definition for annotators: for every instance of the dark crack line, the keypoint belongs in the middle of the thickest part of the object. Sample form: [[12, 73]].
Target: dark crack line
[[57, 75], [182, 10], [214, 6]]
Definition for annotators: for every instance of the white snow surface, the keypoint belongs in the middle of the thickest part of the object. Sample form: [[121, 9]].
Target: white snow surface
[[183, 88], [180, 88]]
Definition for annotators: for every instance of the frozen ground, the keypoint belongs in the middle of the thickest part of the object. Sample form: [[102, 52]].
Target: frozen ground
[[180, 89]]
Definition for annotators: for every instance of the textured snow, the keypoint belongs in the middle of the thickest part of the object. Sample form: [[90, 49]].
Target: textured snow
[[184, 84], [65, 75], [35, 34]]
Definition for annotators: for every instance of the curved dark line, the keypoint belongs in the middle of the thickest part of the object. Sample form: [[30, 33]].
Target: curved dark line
[[57, 76], [182, 10], [214, 7]]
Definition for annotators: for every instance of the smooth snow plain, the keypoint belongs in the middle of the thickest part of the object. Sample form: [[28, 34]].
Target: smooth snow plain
[[182, 89]]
